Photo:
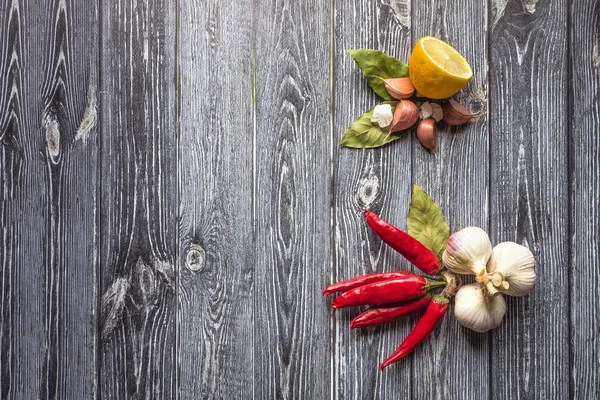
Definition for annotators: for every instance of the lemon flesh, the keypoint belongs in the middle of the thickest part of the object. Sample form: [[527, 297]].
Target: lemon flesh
[[437, 70]]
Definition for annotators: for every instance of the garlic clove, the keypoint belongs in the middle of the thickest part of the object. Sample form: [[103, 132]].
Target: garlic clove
[[437, 112], [426, 133], [382, 115], [516, 265], [476, 310], [399, 88], [456, 114], [467, 251], [426, 110], [405, 116]]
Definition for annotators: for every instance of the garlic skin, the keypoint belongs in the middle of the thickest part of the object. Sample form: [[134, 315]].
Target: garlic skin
[[516, 265], [382, 115], [456, 114], [474, 309], [467, 251], [437, 112], [426, 110], [426, 133], [399, 88], [405, 116]]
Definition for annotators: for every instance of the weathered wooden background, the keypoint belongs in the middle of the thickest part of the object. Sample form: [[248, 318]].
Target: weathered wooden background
[[173, 199]]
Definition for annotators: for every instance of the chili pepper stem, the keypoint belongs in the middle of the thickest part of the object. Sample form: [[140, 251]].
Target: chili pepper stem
[[432, 285]]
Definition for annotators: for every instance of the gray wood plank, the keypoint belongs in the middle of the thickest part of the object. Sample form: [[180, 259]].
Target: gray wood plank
[[138, 203], [215, 352], [457, 179], [529, 193], [68, 93], [292, 200], [23, 177], [49, 57], [584, 164], [375, 179]]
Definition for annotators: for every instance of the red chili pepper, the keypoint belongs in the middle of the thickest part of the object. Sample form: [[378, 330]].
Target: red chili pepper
[[403, 243], [394, 290], [381, 315], [427, 323], [362, 280]]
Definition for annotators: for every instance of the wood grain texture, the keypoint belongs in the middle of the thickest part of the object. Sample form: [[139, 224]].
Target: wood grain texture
[[457, 179], [584, 164], [378, 180], [172, 167], [138, 221], [22, 203], [292, 199], [71, 163], [215, 351], [50, 190], [529, 194]]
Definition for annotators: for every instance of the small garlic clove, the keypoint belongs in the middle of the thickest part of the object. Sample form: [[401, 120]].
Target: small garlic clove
[[467, 251], [426, 133], [426, 110], [399, 88], [456, 114], [405, 116], [437, 112], [516, 264], [382, 115], [476, 310]]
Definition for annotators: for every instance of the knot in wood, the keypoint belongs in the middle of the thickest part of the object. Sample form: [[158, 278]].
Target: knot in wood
[[194, 259], [51, 125], [368, 190], [477, 106]]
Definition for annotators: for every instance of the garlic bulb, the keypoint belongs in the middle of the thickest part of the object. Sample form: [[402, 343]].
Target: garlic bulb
[[467, 251], [514, 266], [474, 309]]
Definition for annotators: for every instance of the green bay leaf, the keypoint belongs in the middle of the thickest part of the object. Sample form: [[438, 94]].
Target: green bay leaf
[[426, 223], [364, 134], [378, 66]]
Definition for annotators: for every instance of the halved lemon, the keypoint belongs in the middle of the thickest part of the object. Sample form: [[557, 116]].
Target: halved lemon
[[437, 70]]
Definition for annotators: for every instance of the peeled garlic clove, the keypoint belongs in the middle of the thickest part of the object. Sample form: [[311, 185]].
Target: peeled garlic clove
[[405, 116], [426, 110], [514, 266], [382, 115], [399, 88], [456, 114], [474, 309], [426, 133], [467, 251], [437, 112]]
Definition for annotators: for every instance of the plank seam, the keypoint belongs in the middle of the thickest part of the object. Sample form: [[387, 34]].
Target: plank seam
[[332, 332], [253, 190], [490, 175], [412, 181], [178, 260], [99, 186], [569, 150]]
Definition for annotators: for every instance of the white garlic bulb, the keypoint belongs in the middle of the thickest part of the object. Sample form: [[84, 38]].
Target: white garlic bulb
[[475, 309], [467, 251], [514, 266]]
